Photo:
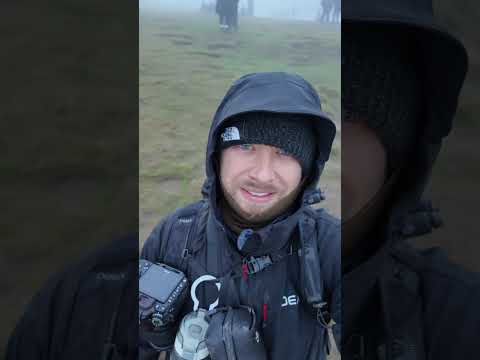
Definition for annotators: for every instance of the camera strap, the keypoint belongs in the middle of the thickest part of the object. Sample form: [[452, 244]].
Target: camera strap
[[212, 248], [196, 223], [229, 295]]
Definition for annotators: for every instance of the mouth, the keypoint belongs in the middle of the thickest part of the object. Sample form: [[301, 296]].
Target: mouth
[[257, 197]]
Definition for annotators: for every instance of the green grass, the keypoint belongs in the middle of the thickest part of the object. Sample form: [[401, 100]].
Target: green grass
[[186, 67]]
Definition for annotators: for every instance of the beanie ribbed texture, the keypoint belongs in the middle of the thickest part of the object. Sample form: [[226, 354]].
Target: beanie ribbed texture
[[292, 133], [381, 86]]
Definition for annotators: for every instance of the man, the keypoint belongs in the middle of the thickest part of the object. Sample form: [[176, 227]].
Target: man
[[233, 15], [267, 146], [227, 11], [326, 6], [401, 76], [221, 8]]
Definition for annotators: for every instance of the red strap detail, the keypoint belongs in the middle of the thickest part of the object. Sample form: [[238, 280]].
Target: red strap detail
[[245, 271], [264, 312]]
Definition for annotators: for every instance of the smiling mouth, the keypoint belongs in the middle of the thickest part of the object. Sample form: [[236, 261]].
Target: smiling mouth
[[257, 196]]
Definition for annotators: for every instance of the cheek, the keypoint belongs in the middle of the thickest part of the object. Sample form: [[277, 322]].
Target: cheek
[[363, 167], [292, 175], [225, 175], [225, 164], [228, 173]]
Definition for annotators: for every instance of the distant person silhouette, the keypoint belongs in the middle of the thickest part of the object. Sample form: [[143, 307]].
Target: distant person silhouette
[[227, 11]]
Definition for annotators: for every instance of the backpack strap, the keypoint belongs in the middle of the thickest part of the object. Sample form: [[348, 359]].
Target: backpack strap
[[310, 261], [110, 349], [212, 247], [190, 219], [315, 290]]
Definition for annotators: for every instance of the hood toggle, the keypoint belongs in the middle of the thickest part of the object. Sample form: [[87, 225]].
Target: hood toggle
[[423, 219], [313, 197]]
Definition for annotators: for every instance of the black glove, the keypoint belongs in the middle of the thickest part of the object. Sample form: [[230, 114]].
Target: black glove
[[159, 339]]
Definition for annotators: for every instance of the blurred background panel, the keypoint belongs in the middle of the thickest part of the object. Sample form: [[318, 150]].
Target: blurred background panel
[[456, 177], [68, 139]]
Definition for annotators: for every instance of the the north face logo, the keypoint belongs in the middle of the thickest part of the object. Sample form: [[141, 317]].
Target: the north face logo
[[231, 134], [185, 220]]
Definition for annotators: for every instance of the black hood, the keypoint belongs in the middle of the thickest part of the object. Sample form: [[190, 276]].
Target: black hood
[[443, 64], [274, 92]]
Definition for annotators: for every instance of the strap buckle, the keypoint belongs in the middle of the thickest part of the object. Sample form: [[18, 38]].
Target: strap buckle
[[324, 317], [253, 265]]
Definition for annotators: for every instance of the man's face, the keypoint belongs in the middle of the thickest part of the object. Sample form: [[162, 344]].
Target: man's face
[[259, 181], [364, 164]]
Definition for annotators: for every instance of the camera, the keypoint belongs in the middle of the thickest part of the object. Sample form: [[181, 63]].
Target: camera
[[162, 292]]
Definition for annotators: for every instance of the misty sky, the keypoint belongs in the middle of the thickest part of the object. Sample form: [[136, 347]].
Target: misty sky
[[299, 9]]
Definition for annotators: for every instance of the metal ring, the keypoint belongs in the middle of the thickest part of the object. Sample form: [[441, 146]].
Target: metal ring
[[193, 290]]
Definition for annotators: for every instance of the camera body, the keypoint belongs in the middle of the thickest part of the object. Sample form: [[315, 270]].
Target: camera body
[[162, 292]]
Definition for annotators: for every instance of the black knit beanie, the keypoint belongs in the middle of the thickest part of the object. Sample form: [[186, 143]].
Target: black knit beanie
[[292, 133], [381, 86]]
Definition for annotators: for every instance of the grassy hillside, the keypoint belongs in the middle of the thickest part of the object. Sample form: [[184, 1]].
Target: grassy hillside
[[187, 65]]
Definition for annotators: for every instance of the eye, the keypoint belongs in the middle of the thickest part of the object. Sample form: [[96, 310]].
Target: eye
[[282, 152], [246, 147]]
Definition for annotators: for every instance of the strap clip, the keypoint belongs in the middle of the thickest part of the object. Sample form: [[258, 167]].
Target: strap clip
[[324, 317], [253, 265]]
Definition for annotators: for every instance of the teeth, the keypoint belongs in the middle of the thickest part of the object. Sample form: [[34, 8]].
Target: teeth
[[258, 194]]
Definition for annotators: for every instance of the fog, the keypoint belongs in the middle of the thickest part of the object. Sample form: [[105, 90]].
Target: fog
[[293, 9]]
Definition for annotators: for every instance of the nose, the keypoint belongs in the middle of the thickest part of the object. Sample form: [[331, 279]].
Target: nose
[[263, 168]]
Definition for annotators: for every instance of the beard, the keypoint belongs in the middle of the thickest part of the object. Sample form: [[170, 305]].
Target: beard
[[257, 215]]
